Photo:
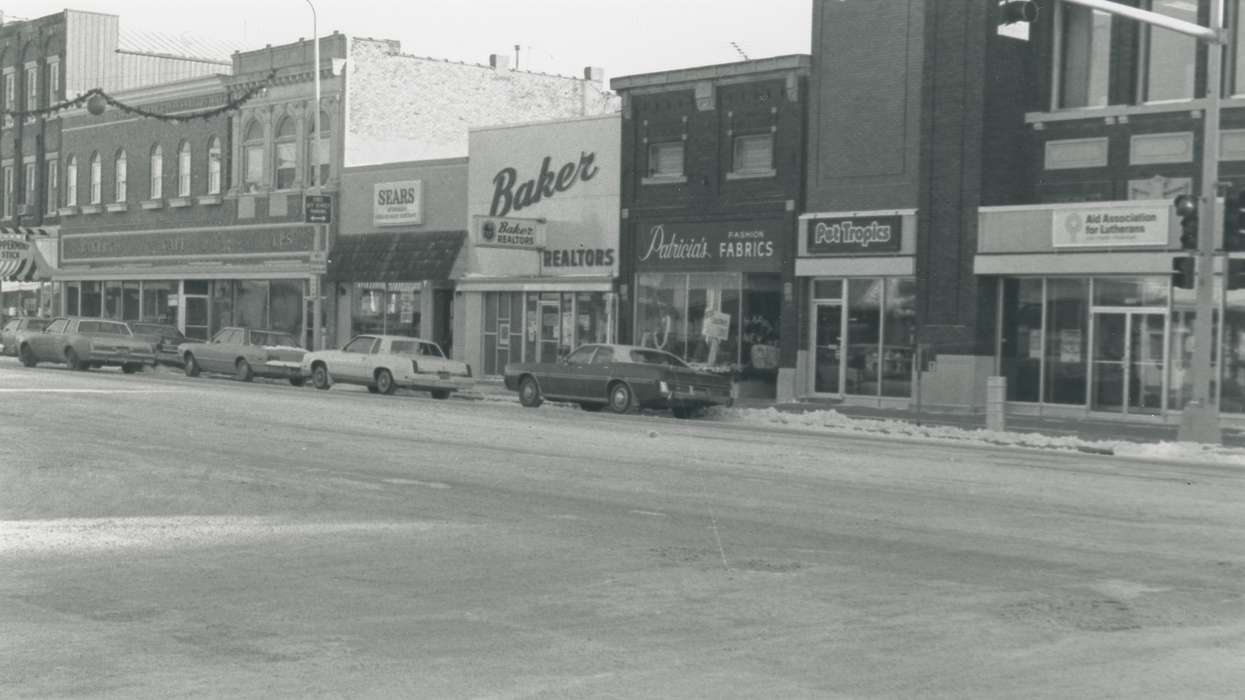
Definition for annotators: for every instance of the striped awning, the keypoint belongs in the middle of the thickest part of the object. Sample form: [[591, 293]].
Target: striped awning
[[20, 260]]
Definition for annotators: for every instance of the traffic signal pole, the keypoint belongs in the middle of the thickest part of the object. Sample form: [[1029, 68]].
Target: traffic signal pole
[[1199, 422]]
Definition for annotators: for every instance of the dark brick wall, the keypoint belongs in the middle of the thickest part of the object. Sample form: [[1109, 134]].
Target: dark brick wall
[[20, 42]]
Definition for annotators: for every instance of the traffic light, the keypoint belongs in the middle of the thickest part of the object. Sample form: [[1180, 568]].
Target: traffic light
[[1186, 209], [1234, 221], [1182, 272], [1015, 11]]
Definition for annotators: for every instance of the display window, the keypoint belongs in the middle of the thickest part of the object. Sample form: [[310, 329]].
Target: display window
[[542, 326], [391, 308], [863, 336]]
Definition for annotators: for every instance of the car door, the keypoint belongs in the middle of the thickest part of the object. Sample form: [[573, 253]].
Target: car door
[[45, 345], [352, 363], [593, 379], [8, 335], [566, 374], [217, 355]]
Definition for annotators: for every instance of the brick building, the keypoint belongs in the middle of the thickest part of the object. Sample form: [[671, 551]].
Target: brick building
[[712, 173]]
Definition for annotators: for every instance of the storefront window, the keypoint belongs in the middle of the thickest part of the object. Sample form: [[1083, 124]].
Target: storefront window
[[1131, 291], [72, 292], [1180, 351], [112, 300], [92, 299], [1021, 360], [285, 306], [130, 301], [250, 306], [1067, 335], [661, 311], [156, 298], [898, 333], [1233, 399], [379, 308], [713, 322], [864, 332]]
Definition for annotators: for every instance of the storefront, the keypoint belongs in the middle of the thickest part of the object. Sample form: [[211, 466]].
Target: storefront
[[542, 253], [27, 261], [711, 292], [1089, 320], [199, 279], [860, 335]]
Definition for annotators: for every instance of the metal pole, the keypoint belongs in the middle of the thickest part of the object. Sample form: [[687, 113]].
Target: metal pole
[[1199, 422], [317, 331], [1197, 31]]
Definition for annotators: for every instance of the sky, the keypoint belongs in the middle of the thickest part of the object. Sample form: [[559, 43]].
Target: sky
[[624, 37]]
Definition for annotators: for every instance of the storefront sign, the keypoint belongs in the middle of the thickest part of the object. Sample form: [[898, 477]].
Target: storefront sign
[[507, 197], [14, 255], [735, 245], [498, 232], [190, 243], [578, 257], [398, 203], [1089, 226], [851, 235]]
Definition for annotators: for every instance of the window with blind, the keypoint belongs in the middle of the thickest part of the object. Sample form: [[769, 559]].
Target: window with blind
[[665, 159], [753, 155]]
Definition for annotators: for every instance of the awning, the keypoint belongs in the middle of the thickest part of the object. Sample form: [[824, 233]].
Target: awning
[[20, 258], [395, 257]]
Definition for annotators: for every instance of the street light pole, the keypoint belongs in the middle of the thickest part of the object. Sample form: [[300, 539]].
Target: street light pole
[[321, 238], [1199, 421]]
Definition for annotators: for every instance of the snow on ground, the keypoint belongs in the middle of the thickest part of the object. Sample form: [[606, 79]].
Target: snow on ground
[[832, 421]]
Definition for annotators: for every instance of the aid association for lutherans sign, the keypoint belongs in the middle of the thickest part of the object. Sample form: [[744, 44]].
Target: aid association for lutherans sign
[[854, 235], [1111, 226]]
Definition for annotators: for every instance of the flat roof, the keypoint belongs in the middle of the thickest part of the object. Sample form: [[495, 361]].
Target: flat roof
[[798, 62]]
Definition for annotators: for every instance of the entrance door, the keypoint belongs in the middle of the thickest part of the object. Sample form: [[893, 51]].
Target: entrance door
[[828, 349], [197, 317], [550, 331], [1128, 361]]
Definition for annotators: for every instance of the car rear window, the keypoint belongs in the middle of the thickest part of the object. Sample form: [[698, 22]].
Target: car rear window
[[103, 328], [273, 339], [38, 324], [654, 357]]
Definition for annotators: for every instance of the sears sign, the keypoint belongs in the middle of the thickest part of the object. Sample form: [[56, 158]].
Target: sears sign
[[398, 203]]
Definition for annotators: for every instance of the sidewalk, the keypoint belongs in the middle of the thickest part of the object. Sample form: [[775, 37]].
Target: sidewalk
[[1084, 428]]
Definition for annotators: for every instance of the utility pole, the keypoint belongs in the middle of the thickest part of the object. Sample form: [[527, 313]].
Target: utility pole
[[322, 233], [1199, 421]]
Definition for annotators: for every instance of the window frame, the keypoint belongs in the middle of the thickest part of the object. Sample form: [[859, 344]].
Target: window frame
[[215, 164], [120, 176], [282, 141], [314, 140], [71, 181], [32, 87], [30, 182], [10, 94], [654, 177], [156, 180], [7, 173], [52, 186], [735, 173], [253, 155], [1058, 62], [185, 161], [1145, 34]]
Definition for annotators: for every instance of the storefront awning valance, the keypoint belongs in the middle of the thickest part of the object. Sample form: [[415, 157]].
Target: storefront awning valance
[[20, 257], [395, 257]]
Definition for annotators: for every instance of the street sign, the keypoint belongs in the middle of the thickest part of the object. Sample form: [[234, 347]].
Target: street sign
[[318, 209]]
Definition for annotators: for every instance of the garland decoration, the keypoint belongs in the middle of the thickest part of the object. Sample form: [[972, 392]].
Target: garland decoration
[[96, 99]]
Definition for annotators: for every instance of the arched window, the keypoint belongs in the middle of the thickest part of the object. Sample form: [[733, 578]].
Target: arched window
[[157, 172], [97, 179], [214, 164], [119, 170], [71, 182], [253, 157], [318, 152], [287, 154], [183, 169]]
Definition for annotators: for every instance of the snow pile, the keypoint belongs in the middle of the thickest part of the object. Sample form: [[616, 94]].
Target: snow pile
[[834, 422]]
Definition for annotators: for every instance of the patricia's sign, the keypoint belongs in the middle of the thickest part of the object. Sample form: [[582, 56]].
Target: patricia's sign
[[735, 245], [398, 203], [501, 232], [1117, 226], [855, 234]]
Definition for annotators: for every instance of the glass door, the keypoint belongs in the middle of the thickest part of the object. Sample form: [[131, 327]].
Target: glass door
[[550, 331], [828, 349], [1128, 361]]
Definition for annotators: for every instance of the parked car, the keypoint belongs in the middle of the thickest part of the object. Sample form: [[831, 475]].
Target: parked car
[[164, 337], [385, 363], [621, 377], [14, 326], [82, 343], [245, 353]]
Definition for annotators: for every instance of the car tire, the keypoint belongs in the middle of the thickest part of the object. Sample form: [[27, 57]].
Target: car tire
[[683, 412], [621, 399], [384, 382], [320, 377], [192, 366], [26, 356], [592, 407], [440, 394], [371, 389], [298, 381], [71, 359], [242, 370], [529, 393], [131, 367]]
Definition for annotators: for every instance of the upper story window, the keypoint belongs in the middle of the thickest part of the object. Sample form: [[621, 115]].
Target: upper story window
[[157, 172], [10, 95], [183, 169], [71, 182], [253, 157], [1170, 57], [97, 179], [54, 80], [53, 184], [8, 191], [32, 87], [119, 170], [214, 165], [286, 154], [30, 177], [1084, 57], [318, 152], [665, 159], [753, 154]]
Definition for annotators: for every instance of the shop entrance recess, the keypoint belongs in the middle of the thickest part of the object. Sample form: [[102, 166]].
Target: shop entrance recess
[[196, 309], [828, 331], [1128, 361]]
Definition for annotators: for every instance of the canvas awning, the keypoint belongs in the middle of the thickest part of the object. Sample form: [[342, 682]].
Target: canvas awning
[[395, 257], [20, 257]]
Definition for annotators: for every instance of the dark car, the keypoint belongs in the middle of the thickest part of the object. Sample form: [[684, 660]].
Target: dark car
[[83, 343], [15, 326], [164, 338], [622, 377], [246, 353]]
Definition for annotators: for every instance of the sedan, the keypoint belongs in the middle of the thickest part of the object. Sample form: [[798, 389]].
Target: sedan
[[624, 378], [14, 326], [164, 337], [245, 353], [83, 343], [383, 363]]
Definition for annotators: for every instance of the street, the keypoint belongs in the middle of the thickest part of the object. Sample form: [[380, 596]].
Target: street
[[165, 536]]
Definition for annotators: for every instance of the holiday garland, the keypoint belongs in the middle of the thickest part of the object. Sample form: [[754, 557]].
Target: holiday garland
[[90, 95]]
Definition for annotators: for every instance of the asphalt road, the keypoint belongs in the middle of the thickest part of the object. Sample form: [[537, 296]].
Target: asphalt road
[[162, 536]]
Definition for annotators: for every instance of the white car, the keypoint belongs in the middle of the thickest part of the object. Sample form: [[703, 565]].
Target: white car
[[384, 363]]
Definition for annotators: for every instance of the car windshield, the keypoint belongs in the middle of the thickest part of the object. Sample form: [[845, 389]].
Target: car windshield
[[104, 328], [273, 339], [655, 357], [38, 324]]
